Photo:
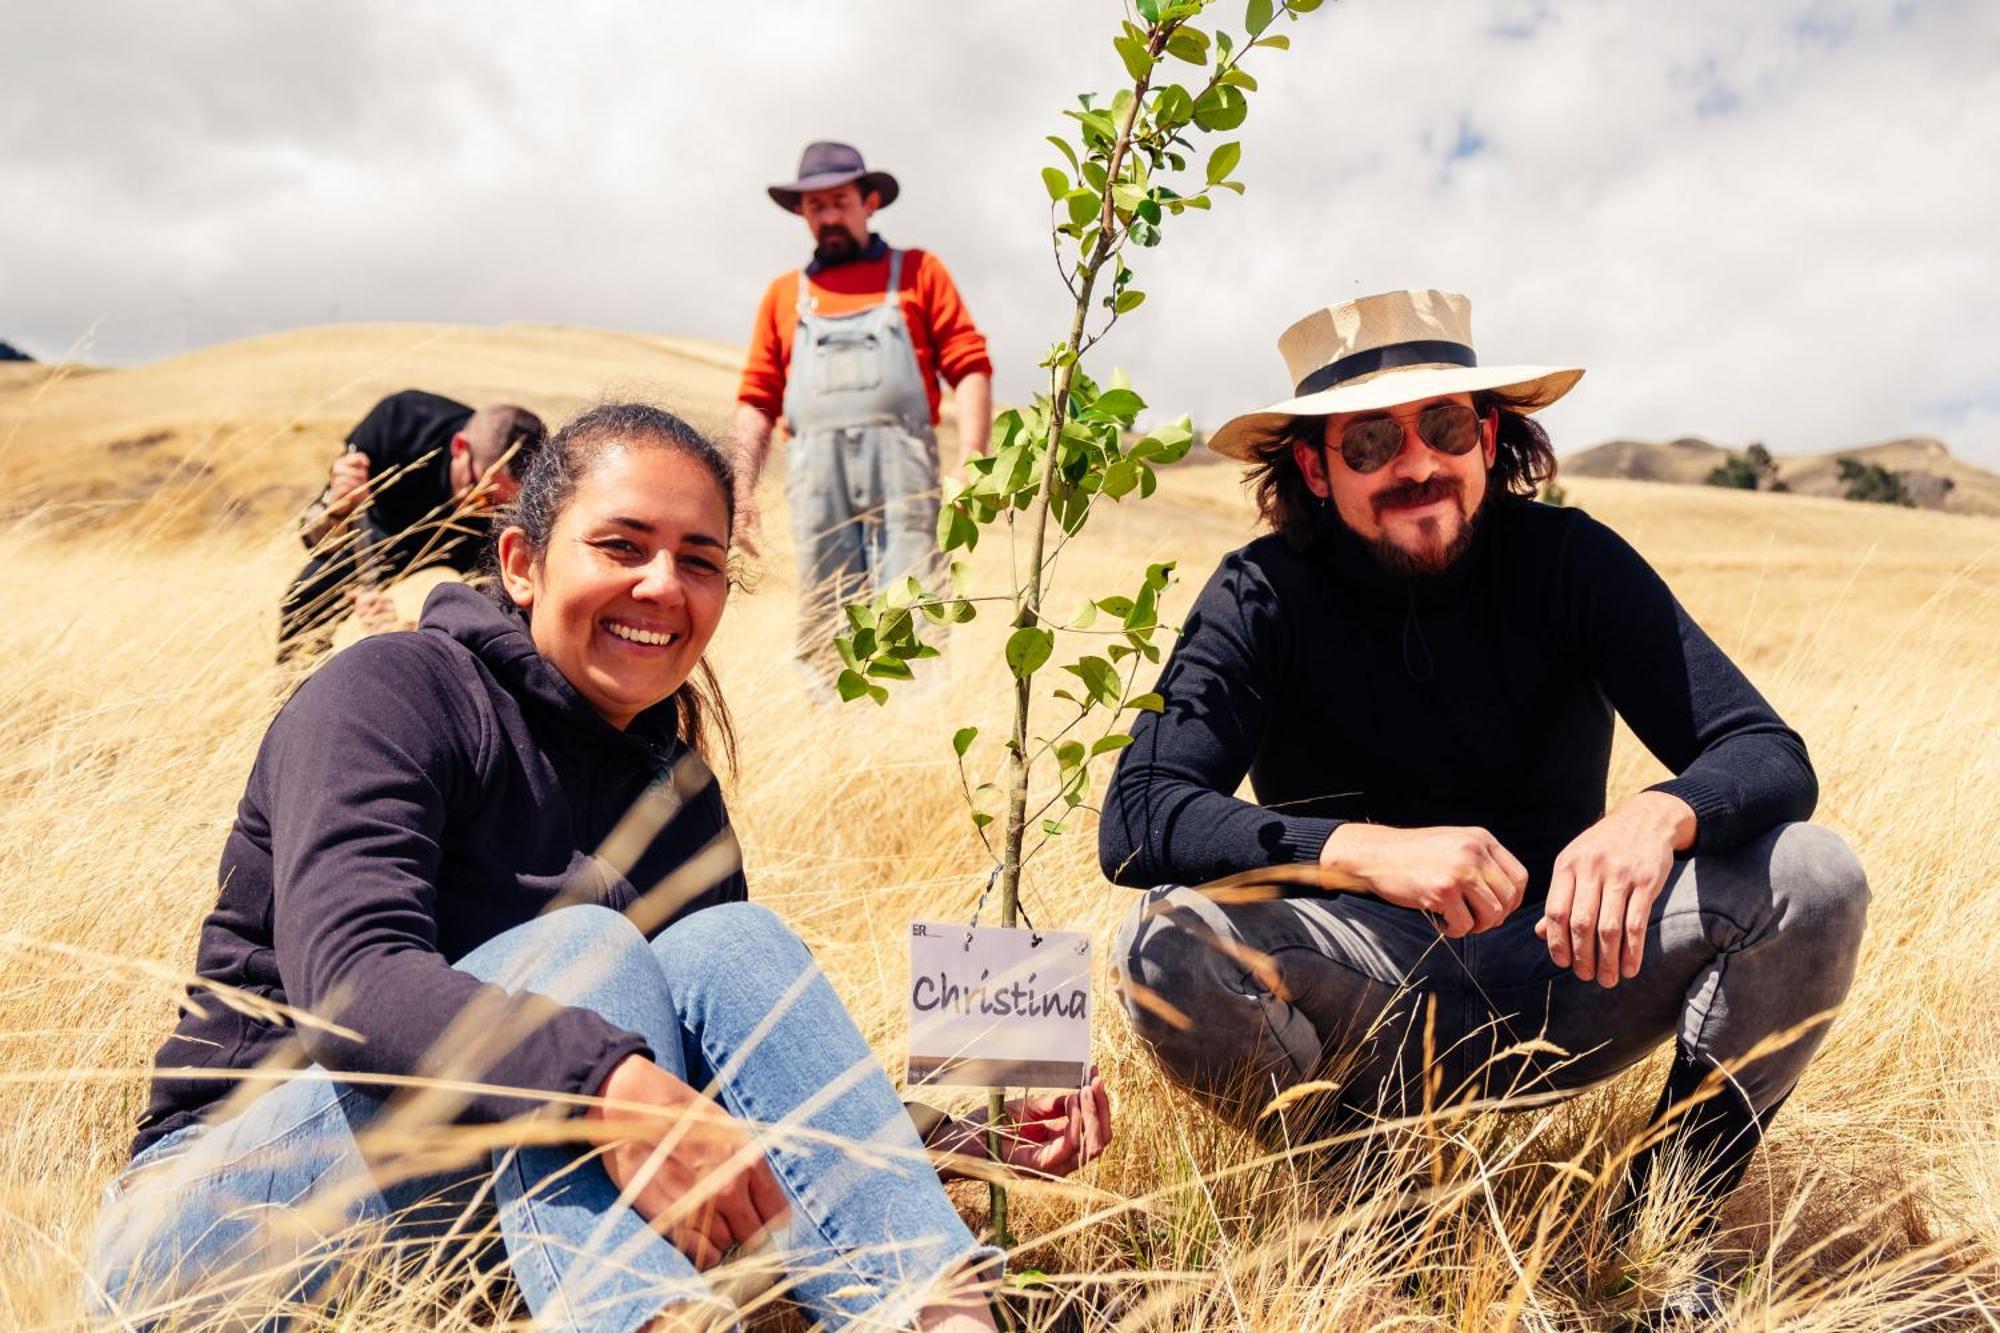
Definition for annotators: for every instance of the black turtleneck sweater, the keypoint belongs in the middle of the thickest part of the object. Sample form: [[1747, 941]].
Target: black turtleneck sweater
[[1481, 696], [420, 794]]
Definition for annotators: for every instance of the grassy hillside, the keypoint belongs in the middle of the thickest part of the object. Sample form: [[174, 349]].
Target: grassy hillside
[[136, 683]]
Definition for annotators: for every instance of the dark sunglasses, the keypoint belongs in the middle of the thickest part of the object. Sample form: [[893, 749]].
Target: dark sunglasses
[[1368, 445]]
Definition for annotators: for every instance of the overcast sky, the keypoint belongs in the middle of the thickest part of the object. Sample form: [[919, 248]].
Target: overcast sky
[[1754, 221]]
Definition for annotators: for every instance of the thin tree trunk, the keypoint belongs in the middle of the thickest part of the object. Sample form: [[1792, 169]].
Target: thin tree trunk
[[1028, 610]]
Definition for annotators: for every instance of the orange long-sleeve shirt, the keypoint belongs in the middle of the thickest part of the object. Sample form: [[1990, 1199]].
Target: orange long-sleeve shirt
[[947, 343]]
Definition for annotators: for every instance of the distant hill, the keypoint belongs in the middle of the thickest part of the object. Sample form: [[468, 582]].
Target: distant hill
[[1935, 478], [9, 352]]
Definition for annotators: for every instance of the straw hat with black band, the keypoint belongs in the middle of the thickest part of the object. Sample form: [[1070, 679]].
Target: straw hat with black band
[[1376, 352]]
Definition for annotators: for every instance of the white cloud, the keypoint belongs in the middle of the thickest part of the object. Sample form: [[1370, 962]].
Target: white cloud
[[1754, 222]]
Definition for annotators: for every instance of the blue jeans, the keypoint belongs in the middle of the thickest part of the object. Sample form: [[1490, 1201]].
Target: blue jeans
[[270, 1203]]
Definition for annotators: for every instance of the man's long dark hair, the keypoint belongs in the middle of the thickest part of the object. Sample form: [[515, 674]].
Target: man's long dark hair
[[1523, 460]]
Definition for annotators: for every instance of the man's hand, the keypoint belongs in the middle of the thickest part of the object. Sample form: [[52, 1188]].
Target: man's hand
[[1605, 882], [375, 609], [346, 483], [1463, 876], [1051, 1135], [750, 433], [711, 1189]]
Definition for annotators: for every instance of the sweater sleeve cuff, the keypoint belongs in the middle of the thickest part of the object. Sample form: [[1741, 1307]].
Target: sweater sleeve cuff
[[1712, 811], [1302, 838], [622, 1044]]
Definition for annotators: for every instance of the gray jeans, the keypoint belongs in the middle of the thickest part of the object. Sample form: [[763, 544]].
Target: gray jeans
[[1742, 947]]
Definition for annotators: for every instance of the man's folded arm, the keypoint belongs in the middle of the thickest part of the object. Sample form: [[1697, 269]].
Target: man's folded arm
[[1170, 815], [1735, 762]]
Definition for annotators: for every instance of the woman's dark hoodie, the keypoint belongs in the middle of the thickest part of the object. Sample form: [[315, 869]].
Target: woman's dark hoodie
[[420, 794]]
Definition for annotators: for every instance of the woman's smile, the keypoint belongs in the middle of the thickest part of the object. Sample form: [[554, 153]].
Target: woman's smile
[[638, 634]]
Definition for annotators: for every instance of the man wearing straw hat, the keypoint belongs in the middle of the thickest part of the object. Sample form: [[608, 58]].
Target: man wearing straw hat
[[1418, 670], [849, 352]]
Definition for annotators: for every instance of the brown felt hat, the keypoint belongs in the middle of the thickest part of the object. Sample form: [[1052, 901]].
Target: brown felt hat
[[825, 165]]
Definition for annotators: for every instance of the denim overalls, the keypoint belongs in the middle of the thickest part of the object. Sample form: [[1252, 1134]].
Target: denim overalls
[[862, 466]]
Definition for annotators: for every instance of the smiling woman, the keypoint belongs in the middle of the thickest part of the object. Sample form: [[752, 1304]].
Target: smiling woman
[[486, 868], [618, 550]]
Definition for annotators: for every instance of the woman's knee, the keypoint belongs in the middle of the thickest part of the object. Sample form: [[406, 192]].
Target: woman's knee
[[569, 955], [727, 935]]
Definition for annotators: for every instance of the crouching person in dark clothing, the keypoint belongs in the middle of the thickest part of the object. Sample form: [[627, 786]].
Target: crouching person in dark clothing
[[1418, 672], [485, 871], [414, 489]]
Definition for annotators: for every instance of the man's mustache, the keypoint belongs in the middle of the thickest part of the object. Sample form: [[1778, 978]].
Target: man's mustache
[[1409, 494]]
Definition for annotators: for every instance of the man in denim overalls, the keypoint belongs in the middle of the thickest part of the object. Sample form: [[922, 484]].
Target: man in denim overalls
[[849, 352]]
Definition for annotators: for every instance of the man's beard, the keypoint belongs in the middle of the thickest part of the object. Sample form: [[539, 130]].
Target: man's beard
[[837, 245], [1404, 563]]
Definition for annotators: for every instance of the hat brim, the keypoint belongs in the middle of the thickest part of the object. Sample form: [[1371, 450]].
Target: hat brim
[[881, 182], [1528, 389]]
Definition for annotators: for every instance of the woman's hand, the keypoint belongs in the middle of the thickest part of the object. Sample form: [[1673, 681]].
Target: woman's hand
[[1051, 1135], [710, 1188]]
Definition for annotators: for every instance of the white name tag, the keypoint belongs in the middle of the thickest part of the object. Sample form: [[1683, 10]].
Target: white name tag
[[991, 1008]]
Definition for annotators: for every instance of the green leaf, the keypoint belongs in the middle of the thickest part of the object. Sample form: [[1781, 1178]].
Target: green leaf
[[1302, 6], [1027, 648], [1277, 42], [1127, 300], [1149, 10], [1054, 828], [1117, 740], [1115, 606], [1240, 78], [956, 529], [1121, 478], [1127, 197], [1190, 44], [890, 668], [1085, 617], [1221, 108], [1069, 754], [1082, 205], [1099, 677], [961, 740], [1057, 183], [1147, 703], [1222, 161], [1120, 403], [852, 686], [1173, 108], [1257, 17], [1062, 144], [1138, 61]]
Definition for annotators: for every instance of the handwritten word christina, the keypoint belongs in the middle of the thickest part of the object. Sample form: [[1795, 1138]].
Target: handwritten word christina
[[1021, 998]]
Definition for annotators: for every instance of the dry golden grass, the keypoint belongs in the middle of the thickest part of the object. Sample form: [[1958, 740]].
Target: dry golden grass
[[135, 682]]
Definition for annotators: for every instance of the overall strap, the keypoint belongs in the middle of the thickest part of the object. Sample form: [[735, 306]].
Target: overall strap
[[895, 276], [805, 294]]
